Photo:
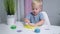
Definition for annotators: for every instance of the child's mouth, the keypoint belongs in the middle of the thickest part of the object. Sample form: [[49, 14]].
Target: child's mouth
[[34, 13]]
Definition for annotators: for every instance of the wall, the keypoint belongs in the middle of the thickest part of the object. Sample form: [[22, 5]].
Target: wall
[[2, 13], [52, 7], [20, 10], [27, 6]]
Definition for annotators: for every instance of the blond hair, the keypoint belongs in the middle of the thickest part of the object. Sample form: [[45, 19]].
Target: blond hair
[[38, 2]]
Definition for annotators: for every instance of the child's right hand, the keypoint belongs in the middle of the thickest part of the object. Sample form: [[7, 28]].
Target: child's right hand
[[33, 25], [29, 24], [26, 23]]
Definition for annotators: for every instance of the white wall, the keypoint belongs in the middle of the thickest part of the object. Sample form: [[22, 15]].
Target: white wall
[[52, 7], [2, 13], [20, 10]]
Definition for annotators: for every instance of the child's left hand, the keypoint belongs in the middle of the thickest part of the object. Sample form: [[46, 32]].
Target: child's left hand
[[34, 25]]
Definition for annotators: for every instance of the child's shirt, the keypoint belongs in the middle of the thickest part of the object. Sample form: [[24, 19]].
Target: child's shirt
[[34, 19]]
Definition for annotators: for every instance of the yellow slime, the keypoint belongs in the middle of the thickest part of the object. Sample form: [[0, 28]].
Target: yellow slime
[[29, 27]]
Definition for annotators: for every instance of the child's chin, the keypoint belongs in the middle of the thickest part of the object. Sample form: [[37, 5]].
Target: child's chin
[[35, 14]]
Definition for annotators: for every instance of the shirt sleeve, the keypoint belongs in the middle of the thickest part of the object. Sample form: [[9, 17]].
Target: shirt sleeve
[[41, 16], [28, 16]]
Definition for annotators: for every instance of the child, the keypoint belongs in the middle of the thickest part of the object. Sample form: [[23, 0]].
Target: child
[[35, 18]]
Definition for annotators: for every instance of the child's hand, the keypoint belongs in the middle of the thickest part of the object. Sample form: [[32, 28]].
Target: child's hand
[[32, 24], [26, 23]]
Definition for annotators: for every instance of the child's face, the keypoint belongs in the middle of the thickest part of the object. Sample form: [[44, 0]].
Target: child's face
[[36, 9]]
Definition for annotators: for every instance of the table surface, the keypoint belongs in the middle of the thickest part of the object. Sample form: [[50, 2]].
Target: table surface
[[5, 29]]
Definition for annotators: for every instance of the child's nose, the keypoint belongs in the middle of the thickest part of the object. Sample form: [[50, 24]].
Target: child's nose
[[35, 10]]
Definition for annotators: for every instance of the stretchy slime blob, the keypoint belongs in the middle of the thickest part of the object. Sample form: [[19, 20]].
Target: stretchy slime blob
[[29, 27], [13, 27], [37, 30], [19, 30]]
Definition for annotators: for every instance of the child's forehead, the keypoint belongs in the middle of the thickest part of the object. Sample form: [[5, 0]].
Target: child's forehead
[[36, 3], [36, 6]]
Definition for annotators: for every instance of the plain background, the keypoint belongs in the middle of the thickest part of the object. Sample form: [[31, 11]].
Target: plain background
[[52, 7]]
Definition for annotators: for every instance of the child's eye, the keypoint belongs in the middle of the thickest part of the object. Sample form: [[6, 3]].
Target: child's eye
[[32, 9], [36, 9]]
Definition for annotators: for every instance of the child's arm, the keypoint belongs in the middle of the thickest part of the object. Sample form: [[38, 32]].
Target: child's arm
[[28, 22], [39, 23]]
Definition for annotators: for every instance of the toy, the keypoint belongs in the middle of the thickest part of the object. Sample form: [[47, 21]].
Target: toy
[[13, 27], [19, 30], [29, 27], [37, 30]]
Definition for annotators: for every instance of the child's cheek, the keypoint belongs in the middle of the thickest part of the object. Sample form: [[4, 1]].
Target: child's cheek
[[38, 11]]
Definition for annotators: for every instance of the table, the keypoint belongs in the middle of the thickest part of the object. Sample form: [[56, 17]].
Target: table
[[5, 29]]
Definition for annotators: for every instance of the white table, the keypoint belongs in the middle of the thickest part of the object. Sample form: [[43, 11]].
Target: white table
[[5, 29]]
